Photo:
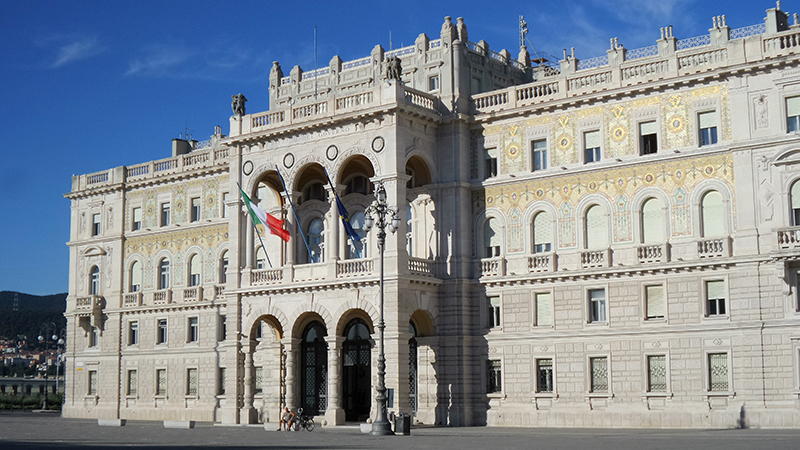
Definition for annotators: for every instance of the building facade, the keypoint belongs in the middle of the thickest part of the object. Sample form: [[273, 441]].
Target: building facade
[[602, 242]]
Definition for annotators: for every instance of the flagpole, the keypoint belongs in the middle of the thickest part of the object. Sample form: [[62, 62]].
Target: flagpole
[[266, 254], [294, 211], [342, 212]]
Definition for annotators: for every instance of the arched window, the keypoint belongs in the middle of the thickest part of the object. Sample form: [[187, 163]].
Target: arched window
[[795, 203], [261, 258], [358, 184], [409, 231], [652, 222], [712, 215], [194, 270], [491, 238], [135, 277], [163, 274], [596, 228], [315, 191], [223, 269], [542, 232], [94, 281], [357, 249], [316, 239]]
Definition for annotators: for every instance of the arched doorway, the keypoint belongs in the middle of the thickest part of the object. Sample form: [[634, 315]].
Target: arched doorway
[[314, 370], [413, 369], [356, 370]]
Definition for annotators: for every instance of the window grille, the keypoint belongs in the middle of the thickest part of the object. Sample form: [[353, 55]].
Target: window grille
[[191, 381], [132, 382], [544, 375], [718, 371], [599, 368], [657, 373], [92, 382], [494, 377], [161, 382]]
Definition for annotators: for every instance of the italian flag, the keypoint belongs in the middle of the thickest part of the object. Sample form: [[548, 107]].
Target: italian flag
[[259, 216]]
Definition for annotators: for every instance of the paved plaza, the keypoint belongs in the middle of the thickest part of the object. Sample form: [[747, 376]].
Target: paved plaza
[[48, 431]]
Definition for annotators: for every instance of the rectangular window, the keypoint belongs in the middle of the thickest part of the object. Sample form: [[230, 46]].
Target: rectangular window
[[657, 373], [718, 372], [93, 337], [489, 163], [592, 146], [599, 368], [194, 330], [793, 114], [494, 376], [195, 209], [648, 137], [161, 382], [708, 127], [494, 311], [259, 376], [133, 333], [132, 383], [655, 305], [221, 388], [92, 380], [544, 309], [539, 149], [161, 331], [597, 305], [433, 83], [223, 328], [224, 205], [191, 381], [165, 214], [137, 219], [95, 224], [715, 298], [544, 375]]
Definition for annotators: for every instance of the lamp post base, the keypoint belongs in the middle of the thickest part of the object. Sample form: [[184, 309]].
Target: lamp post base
[[381, 429]]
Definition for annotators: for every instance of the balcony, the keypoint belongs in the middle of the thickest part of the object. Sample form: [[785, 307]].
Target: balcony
[[714, 248], [193, 294], [591, 259], [421, 266], [492, 267], [788, 238], [132, 299], [89, 305], [162, 297], [650, 254], [542, 262]]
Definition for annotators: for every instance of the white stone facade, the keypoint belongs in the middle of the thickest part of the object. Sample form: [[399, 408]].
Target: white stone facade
[[612, 242]]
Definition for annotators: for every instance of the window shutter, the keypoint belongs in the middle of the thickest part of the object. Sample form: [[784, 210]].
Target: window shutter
[[540, 145], [137, 214], [793, 106], [544, 309], [708, 119], [136, 275], [796, 195], [646, 128], [543, 229], [491, 233], [715, 289], [713, 215], [656, 306], [592, 139], [652, 222], [195, 265], [596, 228]]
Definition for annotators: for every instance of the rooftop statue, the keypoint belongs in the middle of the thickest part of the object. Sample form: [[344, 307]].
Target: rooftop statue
[[237, 105]]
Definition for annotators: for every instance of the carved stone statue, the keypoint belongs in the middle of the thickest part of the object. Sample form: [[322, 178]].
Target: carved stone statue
[[237, 105], [393, 69]]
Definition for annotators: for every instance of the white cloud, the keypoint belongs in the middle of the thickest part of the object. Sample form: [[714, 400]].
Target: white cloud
[[160, 61], [76, 50]]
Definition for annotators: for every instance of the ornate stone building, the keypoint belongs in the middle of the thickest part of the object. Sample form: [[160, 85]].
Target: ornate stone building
[[603, 242]]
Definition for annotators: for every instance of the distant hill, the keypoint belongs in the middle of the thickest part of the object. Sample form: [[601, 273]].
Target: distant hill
[[33, 311]]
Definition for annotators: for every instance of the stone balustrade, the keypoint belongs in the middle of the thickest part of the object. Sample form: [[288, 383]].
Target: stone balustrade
[[421, 266], [193, 294], [492, 267], [354, 268], [542, 262], [649, 254], [591, 259], [788, 238], [131, 299], [713, 248]]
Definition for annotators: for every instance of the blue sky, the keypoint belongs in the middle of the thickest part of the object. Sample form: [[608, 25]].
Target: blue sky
[[90, 85]]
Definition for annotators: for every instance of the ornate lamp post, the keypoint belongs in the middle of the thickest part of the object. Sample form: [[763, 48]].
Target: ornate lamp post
[[380, 210], [43, 336], [60, 349]]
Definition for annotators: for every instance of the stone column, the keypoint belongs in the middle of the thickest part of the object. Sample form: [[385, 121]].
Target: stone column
[[292, 346], [333, 250], [248, 251], [292, 227], [249, 413], [334, 413]]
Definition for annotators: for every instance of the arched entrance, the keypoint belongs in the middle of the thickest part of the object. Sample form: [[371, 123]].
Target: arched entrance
[[314, 370], [356, 377]]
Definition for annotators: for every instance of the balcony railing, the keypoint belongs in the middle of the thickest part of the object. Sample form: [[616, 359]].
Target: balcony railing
[[132, 299], [266, 276], [788, 238], [354, 268], [542, 262], [714, 248], [493, 267], [162, 297], [193, 294], [596, 258], [648, 254], [89, 304], [421, 266]]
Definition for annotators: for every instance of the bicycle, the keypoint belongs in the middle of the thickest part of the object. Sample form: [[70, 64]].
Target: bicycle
[[303, 421]]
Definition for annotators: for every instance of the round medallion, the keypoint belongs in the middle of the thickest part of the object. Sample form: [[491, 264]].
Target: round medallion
[[649, 178], [377, 144], [593, 186], [540, 193], [512, 151], [709, 170], [288, 160], [332, 152], [619, 133], [564, 141], [247, 167], [676, 123]]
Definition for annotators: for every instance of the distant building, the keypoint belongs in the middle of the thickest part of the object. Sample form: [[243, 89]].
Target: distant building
[[606, 242]]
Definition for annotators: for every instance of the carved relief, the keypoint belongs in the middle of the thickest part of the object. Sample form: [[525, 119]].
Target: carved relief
[[761, 112]]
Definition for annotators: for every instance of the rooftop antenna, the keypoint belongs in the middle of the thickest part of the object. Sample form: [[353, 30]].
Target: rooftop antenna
[[186, 130]]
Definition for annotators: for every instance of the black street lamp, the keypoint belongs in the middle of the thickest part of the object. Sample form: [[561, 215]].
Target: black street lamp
[[381, 210], [43, 336], [61, 348]]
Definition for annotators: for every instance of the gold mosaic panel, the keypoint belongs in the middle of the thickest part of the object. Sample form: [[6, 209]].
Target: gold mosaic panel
[[512, 143], [563, 142]]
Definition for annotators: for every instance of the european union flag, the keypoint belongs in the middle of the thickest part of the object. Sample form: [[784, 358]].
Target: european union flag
[[351, 233]]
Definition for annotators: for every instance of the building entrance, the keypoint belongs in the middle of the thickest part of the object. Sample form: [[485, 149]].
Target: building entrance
[[314, 370], [356, 371]]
